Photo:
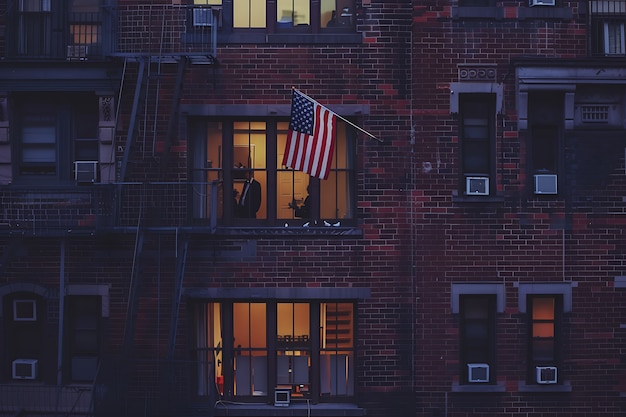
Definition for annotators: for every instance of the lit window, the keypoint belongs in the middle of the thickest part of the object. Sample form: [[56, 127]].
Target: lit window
[[280, 334], [233, 152], [543, 352]]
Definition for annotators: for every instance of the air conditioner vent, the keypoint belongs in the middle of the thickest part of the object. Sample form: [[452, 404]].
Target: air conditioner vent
[[532, 3], [546, 184], [24, 310], [77, 52], [24, 369], [202, 16], [477, 372], [282, 397], [546, 375], [86, 172], [477, 186]]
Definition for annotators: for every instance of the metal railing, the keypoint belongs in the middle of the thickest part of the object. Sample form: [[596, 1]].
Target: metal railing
[[87, 209], [606, 28]]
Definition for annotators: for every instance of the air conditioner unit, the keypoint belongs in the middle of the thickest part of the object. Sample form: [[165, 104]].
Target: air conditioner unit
[[477, 372], [546, 375], [202, 16], [24, 310], [541, 3], [477, 186], [86, 172], [546, 184], [77, 52], [282, 397], [25, 369]]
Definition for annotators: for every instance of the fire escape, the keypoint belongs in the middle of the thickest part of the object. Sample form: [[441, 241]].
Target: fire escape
[[151, 48]]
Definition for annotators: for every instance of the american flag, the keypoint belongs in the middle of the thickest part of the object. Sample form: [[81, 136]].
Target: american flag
[[311, 137]]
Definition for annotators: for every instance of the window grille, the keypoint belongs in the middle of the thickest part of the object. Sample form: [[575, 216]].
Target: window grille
[[595, 114]]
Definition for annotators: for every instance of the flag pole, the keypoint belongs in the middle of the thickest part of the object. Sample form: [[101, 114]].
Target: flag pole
[[338, 116]]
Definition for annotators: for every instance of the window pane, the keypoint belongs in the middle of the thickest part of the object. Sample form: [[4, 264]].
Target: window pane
[[249, 13], [293, 347], [543, 308], [335, 191], [337, 13], [291, 13], [249, 161], [250, 340], [210, 366]]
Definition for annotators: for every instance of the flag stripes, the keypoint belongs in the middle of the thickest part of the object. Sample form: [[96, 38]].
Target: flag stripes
[[311, 137]]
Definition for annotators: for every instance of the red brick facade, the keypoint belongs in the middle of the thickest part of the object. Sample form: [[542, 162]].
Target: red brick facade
[[410, 260]]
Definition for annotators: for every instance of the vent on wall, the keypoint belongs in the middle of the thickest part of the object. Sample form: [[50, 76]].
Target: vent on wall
[[77, 52], [541, 3], [86, 172], [477, 372], [24, 310], [202, 16], [282, 397], [546, 184], [24, 369], [546, 375], [477, 186]]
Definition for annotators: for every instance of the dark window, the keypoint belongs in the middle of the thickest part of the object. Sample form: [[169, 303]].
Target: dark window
[[234, 151], [477, 137], [53, 131], [83, 336], [274, 347], [55, 29], [477, 331], [544, 143], [606, 34], [544, 312]]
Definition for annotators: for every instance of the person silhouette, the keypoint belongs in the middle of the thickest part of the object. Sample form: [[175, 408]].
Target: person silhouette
[[250, 200]]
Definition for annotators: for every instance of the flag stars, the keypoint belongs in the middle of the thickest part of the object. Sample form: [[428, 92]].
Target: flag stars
[[301, 114]]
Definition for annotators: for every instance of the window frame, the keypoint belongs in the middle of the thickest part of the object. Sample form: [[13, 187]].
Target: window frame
[[489, 343], [273, 347], [67, 116], [271, 25], [73, 329], [217, 170], [533, 340], [468, 102]]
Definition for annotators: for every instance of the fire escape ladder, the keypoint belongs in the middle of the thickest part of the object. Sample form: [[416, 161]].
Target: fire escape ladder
[[175, 106], [133, 295], [181, 259], [138, 101]]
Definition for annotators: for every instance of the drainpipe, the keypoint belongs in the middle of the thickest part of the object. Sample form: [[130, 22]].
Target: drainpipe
[[61, 314]]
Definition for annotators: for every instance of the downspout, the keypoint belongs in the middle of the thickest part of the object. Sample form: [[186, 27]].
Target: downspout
[[61, 314]]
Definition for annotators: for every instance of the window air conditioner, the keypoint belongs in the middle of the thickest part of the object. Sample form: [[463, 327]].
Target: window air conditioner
[[541, 2], [282, 397], [24, 310], [546, 375], [202, 16], [477, 185], [477, 372], [545, 184], [77, 52], [85, 172], [25, 369]]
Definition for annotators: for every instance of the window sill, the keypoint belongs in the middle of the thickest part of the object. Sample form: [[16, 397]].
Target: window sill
[[223, 408], [476, 12], [564, 387], [290, 230], [290, 38], [499, 387]]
